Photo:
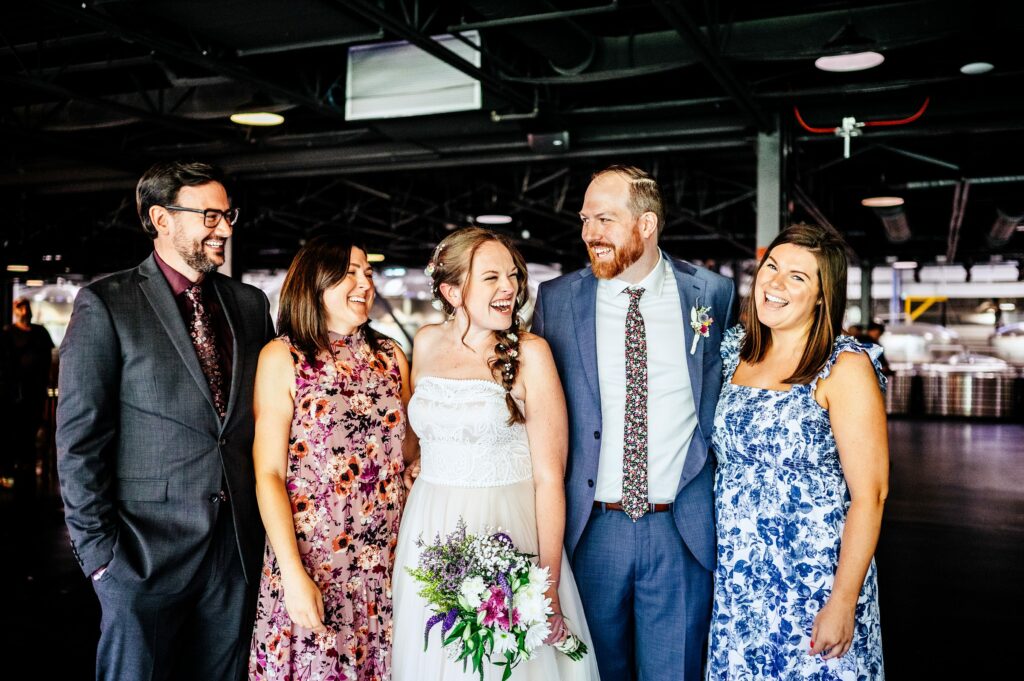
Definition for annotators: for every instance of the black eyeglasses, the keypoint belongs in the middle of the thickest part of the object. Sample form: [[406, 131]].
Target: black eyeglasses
[[211, 216]]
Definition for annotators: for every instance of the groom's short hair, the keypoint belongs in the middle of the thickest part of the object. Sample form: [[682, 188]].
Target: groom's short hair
[[644, 194]]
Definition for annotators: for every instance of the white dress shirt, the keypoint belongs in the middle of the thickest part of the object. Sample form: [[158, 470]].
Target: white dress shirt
[[671, 415]]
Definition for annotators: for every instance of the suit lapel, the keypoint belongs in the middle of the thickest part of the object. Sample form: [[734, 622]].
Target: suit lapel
[[157, 291], [584, 315], [230, 308], [691, 295]]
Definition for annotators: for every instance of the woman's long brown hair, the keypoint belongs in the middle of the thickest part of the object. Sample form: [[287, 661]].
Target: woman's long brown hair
[[320, 264], [829, 251], [452, 263]]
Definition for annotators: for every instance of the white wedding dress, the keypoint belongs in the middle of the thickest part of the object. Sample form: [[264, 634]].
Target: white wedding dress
[[476, 467]]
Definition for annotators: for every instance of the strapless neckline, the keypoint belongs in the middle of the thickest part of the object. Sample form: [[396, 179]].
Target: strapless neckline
[[466, 381]]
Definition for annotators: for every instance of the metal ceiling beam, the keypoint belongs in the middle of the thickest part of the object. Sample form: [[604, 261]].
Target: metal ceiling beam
[[191, 55], [370, 11], [714, 231], [259, 166], [61, 92], [72, 149], [680, 20]]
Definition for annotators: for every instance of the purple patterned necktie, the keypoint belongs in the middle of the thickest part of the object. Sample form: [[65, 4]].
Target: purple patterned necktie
[[200, 329], [634, 454]]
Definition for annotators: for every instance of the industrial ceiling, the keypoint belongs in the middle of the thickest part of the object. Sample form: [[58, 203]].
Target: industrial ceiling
[[95, 91]]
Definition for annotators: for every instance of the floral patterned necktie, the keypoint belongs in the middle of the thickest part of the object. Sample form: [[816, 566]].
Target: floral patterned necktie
[[634, 454], [200, 328]]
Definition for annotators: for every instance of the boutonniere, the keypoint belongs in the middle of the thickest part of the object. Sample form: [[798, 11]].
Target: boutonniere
[[700, 322]]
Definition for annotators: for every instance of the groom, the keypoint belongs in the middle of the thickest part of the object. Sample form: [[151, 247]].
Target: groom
[[636, 340]]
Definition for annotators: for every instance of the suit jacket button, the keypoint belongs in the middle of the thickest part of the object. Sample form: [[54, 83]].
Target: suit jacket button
[[597, 434], [590, 483], [223, 442]]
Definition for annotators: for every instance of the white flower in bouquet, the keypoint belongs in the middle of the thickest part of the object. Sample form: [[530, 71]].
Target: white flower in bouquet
[[503, 642], [471, 594], [530, 599], [531, 604], [537, 634]]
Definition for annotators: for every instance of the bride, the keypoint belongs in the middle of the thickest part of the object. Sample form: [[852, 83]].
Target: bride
[[490, 416]]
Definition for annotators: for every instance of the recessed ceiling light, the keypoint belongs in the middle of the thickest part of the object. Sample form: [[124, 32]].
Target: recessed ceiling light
[[855, 61], [17, 268], [976, 68], [904, 265], [35, 283], [1007, 307], [257, 118], [882, 201], [493, 219], [374, 257]]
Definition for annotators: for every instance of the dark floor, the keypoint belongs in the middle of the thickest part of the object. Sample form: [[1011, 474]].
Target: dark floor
[[951, 563]]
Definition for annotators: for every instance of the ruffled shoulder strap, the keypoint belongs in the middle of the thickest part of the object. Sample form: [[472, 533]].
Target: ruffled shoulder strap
[[732, 341], [850, 344]]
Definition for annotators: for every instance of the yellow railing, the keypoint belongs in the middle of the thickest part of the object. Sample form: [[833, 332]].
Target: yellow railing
[[926, 302]]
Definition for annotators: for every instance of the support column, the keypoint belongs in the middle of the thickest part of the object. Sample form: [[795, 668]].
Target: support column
[[896, 301], [865, 295], [770, 179]]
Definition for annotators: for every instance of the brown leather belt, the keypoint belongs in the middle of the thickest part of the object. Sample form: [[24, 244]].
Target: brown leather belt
[[616, 506]]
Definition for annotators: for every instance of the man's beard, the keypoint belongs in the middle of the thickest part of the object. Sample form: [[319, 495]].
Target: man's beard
[[193, 254], [623, 256]]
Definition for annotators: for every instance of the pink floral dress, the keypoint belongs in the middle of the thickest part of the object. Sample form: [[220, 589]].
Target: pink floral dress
[[345, 485]]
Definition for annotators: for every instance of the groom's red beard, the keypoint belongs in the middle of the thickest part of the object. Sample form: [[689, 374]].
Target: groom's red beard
[[622, 256]]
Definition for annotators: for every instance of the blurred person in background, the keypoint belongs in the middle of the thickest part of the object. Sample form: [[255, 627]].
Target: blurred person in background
[[25, 353]]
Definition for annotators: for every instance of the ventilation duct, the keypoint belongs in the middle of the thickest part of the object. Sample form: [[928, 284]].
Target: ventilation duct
[[1003, 228], [567, 47], [894, 220]]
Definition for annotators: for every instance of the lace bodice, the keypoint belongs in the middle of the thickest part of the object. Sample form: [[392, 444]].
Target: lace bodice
[[465, 439]]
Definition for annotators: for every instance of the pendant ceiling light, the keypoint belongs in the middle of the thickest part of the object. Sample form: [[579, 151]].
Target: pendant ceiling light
[[848, 51], [259, 111]]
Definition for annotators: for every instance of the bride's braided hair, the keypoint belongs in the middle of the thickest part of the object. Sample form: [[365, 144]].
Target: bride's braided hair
[[451, 264]]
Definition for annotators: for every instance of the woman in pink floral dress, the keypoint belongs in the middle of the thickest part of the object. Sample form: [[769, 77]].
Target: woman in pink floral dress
[[330, 426]]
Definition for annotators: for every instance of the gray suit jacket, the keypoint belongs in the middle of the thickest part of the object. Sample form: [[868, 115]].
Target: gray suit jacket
[[141, 452], [565, 316]]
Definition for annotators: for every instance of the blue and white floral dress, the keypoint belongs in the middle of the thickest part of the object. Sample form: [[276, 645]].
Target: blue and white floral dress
[[780, 504]]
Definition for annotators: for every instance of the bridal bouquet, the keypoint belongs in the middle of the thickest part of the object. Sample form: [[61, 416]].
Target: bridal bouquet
[[489, 600]]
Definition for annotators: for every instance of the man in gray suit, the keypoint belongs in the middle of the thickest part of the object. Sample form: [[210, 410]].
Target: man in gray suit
[[154, 440], [636, 340]]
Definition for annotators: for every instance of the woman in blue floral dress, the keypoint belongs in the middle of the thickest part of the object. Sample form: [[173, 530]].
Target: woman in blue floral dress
[[800, 437]]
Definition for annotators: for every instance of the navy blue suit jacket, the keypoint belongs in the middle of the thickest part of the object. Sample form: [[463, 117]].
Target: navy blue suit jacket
[[565, 316]]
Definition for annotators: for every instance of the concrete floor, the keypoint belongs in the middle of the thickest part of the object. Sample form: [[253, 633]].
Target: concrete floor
[[950, 560]]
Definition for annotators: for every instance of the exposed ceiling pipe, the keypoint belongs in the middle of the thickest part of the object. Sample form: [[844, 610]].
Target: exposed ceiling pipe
[[125, 113], [789, 38], [680, 20], [938, 184], [1004, 227], [190, 55], [568, 48]]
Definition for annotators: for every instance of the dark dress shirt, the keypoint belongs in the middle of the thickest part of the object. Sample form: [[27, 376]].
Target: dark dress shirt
[[225, 341]]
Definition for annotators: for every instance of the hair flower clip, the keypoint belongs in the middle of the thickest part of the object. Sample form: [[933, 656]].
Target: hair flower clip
[[435, 261]]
